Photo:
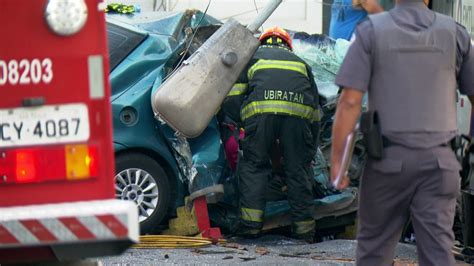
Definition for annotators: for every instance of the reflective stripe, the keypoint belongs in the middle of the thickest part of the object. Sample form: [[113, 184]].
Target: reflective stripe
[[253, 215], [238, 89], [277, 64], [303, 227], [275, 46], [280, 107], [96, 77]]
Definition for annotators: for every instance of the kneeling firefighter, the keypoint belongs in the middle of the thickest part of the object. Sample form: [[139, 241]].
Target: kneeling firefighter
[[278, 100]]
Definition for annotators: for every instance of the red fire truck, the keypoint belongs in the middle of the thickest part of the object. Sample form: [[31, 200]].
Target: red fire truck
[[56, 155]]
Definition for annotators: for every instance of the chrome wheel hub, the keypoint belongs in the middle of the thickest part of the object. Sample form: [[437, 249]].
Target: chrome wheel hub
[[139, 186]]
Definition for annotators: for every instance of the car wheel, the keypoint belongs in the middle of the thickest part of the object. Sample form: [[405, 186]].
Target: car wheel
[[141, 179]]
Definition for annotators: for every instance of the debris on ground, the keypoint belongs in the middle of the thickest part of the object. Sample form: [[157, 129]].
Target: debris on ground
[[332, 259], [291, 255], [266, 250], [247, 258], [262, 250], [397, 262], [234, 246], [211, 251]]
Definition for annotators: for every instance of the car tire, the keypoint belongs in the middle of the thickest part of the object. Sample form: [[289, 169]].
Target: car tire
[[150, 191]]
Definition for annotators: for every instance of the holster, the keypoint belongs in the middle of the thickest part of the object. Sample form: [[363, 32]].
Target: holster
[[372, 132], [456, 143]]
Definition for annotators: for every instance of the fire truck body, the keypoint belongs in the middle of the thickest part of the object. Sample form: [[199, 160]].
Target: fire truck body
[[56, 154]]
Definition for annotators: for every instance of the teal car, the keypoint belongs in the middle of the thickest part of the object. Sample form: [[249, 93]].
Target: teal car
[[143, 50], [155, 167]]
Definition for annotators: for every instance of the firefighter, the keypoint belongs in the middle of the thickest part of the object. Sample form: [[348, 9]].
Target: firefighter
[[279, 102], [410, 61]]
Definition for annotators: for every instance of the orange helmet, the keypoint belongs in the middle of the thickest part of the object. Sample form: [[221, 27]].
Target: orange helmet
[[277, 32]]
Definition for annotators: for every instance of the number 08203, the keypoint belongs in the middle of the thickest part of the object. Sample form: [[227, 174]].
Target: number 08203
[[25, 71]]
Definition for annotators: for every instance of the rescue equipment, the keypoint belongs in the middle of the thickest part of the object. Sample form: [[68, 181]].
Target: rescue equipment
[[172, 241]]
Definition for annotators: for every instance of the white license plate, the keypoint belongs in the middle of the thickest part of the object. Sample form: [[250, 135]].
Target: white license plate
[[44, 125]]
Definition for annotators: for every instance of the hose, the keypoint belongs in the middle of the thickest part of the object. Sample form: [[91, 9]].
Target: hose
[[171, 241]]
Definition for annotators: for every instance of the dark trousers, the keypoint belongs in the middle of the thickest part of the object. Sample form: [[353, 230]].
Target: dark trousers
[[297, 143], [421, 183]]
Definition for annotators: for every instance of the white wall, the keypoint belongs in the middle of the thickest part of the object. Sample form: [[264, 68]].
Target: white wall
[[301, 15], [464, 14]]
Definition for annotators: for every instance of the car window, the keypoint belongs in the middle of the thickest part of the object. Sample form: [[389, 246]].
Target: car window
[[121, 42]]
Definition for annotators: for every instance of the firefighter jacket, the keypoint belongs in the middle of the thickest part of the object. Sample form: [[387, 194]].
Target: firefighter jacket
[[276, 81]]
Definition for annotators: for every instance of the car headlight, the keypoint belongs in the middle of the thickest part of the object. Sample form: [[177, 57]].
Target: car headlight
[[66, 17]]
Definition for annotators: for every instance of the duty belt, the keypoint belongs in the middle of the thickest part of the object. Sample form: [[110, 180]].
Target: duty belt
[[388, 143]]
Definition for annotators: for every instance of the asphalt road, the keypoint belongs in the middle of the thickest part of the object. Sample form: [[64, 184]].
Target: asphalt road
[[267, 250]]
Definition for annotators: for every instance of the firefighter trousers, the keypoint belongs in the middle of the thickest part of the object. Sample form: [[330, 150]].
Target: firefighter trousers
[[297, 141]]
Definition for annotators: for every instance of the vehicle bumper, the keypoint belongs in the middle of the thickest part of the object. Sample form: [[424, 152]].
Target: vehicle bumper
[[67, 231]]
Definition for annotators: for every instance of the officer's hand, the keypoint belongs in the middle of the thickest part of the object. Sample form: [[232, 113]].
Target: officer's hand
[[345, 180]]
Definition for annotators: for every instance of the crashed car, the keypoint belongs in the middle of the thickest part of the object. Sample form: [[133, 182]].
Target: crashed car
[[157, 168], [143, 50]]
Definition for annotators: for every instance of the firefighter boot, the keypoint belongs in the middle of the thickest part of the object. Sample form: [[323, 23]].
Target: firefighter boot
[[245, 231], [304, 230]]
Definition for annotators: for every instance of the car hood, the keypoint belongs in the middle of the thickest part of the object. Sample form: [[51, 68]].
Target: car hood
[[166, 34]]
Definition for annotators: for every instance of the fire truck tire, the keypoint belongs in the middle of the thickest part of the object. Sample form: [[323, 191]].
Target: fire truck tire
[[141, 179]]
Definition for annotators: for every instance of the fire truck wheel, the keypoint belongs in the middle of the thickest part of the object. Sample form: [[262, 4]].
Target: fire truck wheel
[[141, 179]]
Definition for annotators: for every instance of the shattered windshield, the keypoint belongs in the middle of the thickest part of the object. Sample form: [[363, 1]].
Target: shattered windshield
[[325, 56]]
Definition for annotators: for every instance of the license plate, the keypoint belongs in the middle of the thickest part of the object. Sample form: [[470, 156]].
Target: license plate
[[50, 124]]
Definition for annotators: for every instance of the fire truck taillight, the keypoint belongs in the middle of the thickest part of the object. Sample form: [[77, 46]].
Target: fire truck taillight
[[66, 17], [80, 161], [26, 169], [70, 162]]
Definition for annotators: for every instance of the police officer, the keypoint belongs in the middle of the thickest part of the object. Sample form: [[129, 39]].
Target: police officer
[[410, 61], [280, 102]]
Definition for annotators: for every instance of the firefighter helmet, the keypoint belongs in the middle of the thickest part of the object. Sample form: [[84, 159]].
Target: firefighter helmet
[[276, 32]]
